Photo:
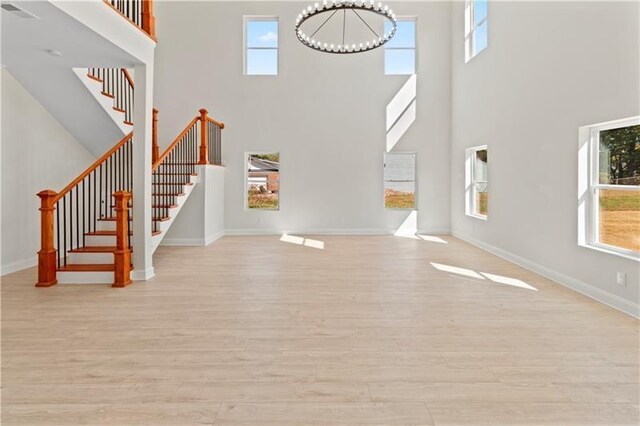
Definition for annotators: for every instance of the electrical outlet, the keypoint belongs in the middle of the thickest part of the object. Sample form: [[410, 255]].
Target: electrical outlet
[[621, 278]]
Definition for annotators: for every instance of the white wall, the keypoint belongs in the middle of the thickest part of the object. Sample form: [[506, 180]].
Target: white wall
[[324, 113], [37, 153], [201, 219], [550, 68]]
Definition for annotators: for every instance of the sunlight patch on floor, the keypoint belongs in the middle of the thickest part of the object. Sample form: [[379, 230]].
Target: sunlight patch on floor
[[498, 279], [308, 242]]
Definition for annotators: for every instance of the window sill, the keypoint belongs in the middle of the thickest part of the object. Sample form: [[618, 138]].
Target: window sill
[[478, 216], [612, 251]]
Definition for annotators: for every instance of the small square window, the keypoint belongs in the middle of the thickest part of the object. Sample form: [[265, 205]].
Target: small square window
[[400, 51], [475, 28], [261, 46], [263, 181], [477, 180], [400, 180]]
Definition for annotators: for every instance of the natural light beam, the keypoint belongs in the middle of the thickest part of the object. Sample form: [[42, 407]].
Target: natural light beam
[[409, 227], [432, 239], [402, 125], [307, 242], [401, 101], [314, 243], [508, 281], [456, 270], [291, 239]]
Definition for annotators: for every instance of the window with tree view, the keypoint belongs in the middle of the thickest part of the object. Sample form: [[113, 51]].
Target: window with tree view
[[263, 181], [616, 187]]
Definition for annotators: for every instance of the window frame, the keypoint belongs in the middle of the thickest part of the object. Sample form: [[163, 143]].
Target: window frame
[[414, 19], [415, 180], [247, 154], [470, 190], [245, 42], [591, 223], [470, 32]]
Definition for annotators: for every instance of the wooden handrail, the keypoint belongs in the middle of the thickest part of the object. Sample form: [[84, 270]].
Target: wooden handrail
[[128, 76], [174, 143], [91, 168], [217, 123]]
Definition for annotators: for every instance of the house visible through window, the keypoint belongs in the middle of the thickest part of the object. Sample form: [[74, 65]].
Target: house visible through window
[[475, 28], [615, 186], [400, 51], [263, 181], [261, 46], [477, 203], [400, 180]]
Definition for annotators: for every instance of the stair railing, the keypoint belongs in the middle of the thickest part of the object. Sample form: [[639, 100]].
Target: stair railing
[[66, 217], [139, 12], [118, 85], [197, 144]]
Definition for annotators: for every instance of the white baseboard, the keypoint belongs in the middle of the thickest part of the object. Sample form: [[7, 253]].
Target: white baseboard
[[142, 274], [19, 265], [185, 242], [588, 290], [323, 231]]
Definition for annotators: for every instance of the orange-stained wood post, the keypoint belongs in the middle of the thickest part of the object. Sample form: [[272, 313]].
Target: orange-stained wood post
[[47, 255], [122, 255], [148, 20], [204, 155], [155, 149]]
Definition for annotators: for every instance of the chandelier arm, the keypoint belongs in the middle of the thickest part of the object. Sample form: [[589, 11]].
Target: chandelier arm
[[365, 22], [325, 21], [344, 23]]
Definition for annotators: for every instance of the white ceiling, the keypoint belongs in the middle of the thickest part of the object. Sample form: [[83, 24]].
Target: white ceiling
[[25, 42]]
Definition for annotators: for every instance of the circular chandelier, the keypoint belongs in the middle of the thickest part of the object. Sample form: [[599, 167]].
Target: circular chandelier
[[332, 8]]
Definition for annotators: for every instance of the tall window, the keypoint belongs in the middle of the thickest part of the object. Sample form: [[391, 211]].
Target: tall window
[[400, 180], [475, 28], [263, 181], [400, 51], [261, 46], [477, 203], [614, 186]]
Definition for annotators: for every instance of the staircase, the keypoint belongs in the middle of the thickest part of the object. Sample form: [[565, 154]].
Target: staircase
[[86, 227]]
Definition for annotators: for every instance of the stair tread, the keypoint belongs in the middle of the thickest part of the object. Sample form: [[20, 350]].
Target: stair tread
[[94, 249], [164, 206], [111, 219], [113, 233], [175, 174], [175, 184], [168, 194], [88, 267]]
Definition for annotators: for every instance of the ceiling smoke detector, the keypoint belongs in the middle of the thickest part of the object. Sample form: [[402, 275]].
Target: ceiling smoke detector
[[21, 13]]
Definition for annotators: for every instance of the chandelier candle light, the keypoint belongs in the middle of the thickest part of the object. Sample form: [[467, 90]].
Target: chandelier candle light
[[333, 7]]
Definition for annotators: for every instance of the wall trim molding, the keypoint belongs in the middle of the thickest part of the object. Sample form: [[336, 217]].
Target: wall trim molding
[[18, 265], [609, 299], [185, 242], [142, 274]]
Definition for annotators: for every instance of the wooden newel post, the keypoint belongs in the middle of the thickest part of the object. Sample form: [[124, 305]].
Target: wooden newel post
[[204, 157], [155, 149], [47, 255], [148, 20], [122, 255]]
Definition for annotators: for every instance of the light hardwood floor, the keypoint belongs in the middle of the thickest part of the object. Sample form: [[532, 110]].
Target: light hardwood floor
[[366, 331]]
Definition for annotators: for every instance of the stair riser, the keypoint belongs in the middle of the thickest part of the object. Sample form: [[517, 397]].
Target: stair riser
[[106, 225], [100, 240], [91, 258], [93, 277]]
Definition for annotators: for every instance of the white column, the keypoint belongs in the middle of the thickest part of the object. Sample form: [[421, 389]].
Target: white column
[[142, 124]]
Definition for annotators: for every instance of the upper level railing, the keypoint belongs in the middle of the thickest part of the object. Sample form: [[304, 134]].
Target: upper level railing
[[139, 12], [118, 85]]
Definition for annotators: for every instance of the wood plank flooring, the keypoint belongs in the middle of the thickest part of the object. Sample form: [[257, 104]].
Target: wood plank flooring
[[254, 330]]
